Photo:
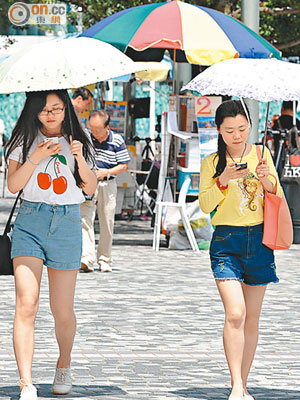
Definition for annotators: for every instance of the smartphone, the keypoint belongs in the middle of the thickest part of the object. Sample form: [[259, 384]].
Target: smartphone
[[54, 140], [241, 165]]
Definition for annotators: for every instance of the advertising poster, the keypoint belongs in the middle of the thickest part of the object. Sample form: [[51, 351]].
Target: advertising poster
[[208, 140], [205, 123], [118, 114], [205, 108]]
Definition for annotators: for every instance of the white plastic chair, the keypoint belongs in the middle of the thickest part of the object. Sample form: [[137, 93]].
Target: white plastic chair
[[182, 208]]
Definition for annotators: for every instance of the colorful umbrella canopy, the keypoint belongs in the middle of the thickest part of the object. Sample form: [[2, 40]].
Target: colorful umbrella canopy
[[62, 64], [199, 35]]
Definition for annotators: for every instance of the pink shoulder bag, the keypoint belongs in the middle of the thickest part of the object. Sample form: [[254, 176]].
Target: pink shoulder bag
[[278, 226]]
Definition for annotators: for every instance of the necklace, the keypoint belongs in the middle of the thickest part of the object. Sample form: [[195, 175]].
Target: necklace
[[241, 155]]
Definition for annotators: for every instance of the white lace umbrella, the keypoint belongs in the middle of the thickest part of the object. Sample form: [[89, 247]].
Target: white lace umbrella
[[63, 64], [258, 79]]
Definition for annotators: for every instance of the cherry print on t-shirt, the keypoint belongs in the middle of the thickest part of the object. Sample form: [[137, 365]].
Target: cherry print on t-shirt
[[60, 183], [44, 180]]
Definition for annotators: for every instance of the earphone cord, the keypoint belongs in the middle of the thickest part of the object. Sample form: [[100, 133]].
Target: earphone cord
[[242, 153]]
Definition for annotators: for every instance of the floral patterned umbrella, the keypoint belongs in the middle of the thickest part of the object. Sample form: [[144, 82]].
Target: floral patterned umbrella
[[261, 79], [258, 79], [62, 64]]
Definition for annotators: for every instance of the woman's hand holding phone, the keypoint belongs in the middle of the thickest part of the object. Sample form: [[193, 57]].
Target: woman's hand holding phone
[[232, 171], [44, 150]]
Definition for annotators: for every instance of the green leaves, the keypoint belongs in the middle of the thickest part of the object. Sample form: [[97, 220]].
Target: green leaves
[[62, 159], [279, 23]]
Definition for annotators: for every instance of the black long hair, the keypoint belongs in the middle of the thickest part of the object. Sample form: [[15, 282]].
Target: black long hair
[[229, 108], [28, 126]]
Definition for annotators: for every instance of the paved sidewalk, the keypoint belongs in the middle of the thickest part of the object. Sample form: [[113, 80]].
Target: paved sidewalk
[[152, 329]]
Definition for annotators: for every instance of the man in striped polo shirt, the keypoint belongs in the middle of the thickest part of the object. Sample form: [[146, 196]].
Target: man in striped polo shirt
[[111, 159]]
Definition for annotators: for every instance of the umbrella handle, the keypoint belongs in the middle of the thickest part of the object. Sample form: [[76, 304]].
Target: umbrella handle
[[266, 129], [294, 113], [70, 119]]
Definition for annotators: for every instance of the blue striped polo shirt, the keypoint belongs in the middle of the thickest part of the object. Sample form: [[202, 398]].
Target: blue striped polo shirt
[[111, 152]]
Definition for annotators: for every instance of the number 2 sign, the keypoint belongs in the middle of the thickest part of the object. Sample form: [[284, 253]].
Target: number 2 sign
[[207, 105], [203, 106]]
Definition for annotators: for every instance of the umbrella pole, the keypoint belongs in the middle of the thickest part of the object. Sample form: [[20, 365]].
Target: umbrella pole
[[294, 113], [266, 130], [71, 124], [174, 73]]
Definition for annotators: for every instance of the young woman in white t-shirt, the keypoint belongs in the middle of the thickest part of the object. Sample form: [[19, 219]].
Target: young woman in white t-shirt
[[50, 159]]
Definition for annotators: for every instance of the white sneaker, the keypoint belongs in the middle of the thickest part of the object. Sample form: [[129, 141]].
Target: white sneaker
[[104, 266], [232, 397], [62, 383], [28, 393]]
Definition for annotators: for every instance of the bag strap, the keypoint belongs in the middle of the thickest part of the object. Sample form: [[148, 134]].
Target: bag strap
[[7, 227], [258, 151], [279, 123]]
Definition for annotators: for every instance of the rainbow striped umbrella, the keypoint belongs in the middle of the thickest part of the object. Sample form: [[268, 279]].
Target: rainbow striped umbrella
[[196, 34]]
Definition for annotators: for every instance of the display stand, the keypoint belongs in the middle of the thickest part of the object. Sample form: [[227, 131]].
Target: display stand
[[169, 131], [196, 115], [141, 190]]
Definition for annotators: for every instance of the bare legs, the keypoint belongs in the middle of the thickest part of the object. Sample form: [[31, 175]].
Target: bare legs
[[242, 306], [254, 296], [233, 335], [28, 273], [62, 290]]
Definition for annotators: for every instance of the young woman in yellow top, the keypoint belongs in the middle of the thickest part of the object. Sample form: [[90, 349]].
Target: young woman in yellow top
[[241, 264]]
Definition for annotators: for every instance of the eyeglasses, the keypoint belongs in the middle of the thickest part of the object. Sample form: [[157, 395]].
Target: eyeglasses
[[55, 111]]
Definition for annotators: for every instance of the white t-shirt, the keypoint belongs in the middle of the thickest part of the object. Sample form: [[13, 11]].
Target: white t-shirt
[[52, 181]]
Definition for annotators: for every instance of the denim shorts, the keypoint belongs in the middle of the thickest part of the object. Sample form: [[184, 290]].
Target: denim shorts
[[237, 252], [50, 232]]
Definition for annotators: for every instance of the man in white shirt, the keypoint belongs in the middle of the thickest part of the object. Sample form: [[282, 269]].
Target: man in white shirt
[[111, 159]]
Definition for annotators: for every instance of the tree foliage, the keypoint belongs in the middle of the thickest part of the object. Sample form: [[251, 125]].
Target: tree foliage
[[279, 23]]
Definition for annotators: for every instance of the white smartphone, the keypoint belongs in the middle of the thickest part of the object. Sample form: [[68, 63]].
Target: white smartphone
[[54, 140]]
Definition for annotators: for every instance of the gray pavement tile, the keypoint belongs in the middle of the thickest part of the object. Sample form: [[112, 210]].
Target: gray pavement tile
[[152, 329]]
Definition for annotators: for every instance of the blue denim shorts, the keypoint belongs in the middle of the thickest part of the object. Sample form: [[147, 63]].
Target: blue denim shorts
[[50, 232], [237, 252]]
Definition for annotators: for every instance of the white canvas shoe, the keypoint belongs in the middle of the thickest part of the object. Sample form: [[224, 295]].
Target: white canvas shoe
[[234, 397], [104, 266], [28, 392], [62, 383]]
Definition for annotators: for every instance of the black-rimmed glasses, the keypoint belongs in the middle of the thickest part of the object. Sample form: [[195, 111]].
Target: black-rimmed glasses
[[55, 111]]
